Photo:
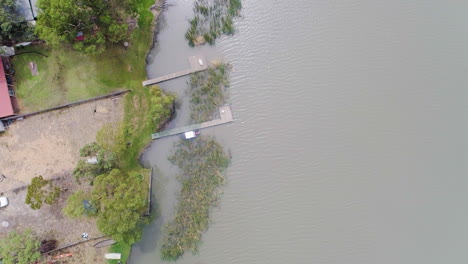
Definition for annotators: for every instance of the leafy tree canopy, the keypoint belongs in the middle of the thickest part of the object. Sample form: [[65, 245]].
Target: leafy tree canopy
[[19, 248], [106, 160], [40, 191], [76, 208], [13, 27], [101, 22], [121, 201]]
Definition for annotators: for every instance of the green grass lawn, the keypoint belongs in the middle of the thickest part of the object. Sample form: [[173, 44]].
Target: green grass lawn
[[66, 76], [122, 248]]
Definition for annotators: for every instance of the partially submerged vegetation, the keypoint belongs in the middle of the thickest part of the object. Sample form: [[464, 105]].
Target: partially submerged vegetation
[[201, 162], [211, 20], [207, 92]]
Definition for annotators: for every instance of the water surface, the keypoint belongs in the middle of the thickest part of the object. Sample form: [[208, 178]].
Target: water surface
[[350, 141]]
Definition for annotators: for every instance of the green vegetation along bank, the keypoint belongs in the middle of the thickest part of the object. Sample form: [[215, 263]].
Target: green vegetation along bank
[[118, 199], [201, 162]]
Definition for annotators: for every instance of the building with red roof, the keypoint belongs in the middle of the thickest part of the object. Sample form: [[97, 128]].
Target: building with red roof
[[6, 94]]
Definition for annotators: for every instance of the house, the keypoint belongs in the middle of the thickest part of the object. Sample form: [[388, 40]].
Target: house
[[8, 102]]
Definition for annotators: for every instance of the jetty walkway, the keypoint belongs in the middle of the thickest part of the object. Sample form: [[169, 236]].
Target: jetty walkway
[[195, 66], [224, 112]]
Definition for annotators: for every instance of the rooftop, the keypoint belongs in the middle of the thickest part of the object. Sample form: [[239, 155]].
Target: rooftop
[[6, 109]]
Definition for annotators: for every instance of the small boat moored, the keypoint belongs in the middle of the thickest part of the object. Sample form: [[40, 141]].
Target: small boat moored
[[191, 134]]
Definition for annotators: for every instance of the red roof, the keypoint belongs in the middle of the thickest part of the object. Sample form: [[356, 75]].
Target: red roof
[[6, 109]]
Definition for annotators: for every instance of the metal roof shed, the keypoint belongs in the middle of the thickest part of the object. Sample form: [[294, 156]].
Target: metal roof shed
[[6, 108]]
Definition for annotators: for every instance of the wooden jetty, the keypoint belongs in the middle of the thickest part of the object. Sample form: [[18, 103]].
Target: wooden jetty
[[195, 66], [224, 112]]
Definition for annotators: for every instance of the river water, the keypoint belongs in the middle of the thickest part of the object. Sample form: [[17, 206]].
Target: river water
[[350, 140]]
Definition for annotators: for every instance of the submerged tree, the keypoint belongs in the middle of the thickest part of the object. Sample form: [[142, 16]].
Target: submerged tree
[[90, 25]]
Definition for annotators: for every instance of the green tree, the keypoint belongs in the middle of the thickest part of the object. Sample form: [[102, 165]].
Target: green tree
[[100, 21], [40, 191], [75, 207], [13, 26], [19, 248], [121, 201], [106, 160]]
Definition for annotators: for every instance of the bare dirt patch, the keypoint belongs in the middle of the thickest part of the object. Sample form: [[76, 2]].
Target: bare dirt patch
[[48, 144]]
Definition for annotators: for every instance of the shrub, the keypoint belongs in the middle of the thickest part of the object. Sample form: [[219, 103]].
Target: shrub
[[40, 191]]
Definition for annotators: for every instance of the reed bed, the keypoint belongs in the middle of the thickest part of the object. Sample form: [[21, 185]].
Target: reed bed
[[212, 19], [201, 162]]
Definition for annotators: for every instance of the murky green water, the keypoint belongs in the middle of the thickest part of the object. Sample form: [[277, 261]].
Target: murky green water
[[350, 141]]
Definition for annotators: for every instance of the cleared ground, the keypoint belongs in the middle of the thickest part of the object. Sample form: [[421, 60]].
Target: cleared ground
[[48, 145]]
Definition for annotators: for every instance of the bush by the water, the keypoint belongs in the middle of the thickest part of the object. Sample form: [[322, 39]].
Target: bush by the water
[[201, 162], [211, 20], [207, 92]]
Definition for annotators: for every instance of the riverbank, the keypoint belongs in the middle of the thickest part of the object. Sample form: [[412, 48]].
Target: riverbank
[[63, 75]]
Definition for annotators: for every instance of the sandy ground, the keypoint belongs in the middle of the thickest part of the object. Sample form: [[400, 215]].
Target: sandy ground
[[49, 221], [48, 145]]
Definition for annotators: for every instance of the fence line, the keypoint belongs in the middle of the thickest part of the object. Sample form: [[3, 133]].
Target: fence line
[[74, 244], [73, 104]]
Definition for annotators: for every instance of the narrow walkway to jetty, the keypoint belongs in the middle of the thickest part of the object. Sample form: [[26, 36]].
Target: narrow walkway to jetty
[[224, 112], [197, 64]]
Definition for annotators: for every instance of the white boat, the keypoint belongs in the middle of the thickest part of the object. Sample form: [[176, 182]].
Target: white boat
[[191, 134]]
